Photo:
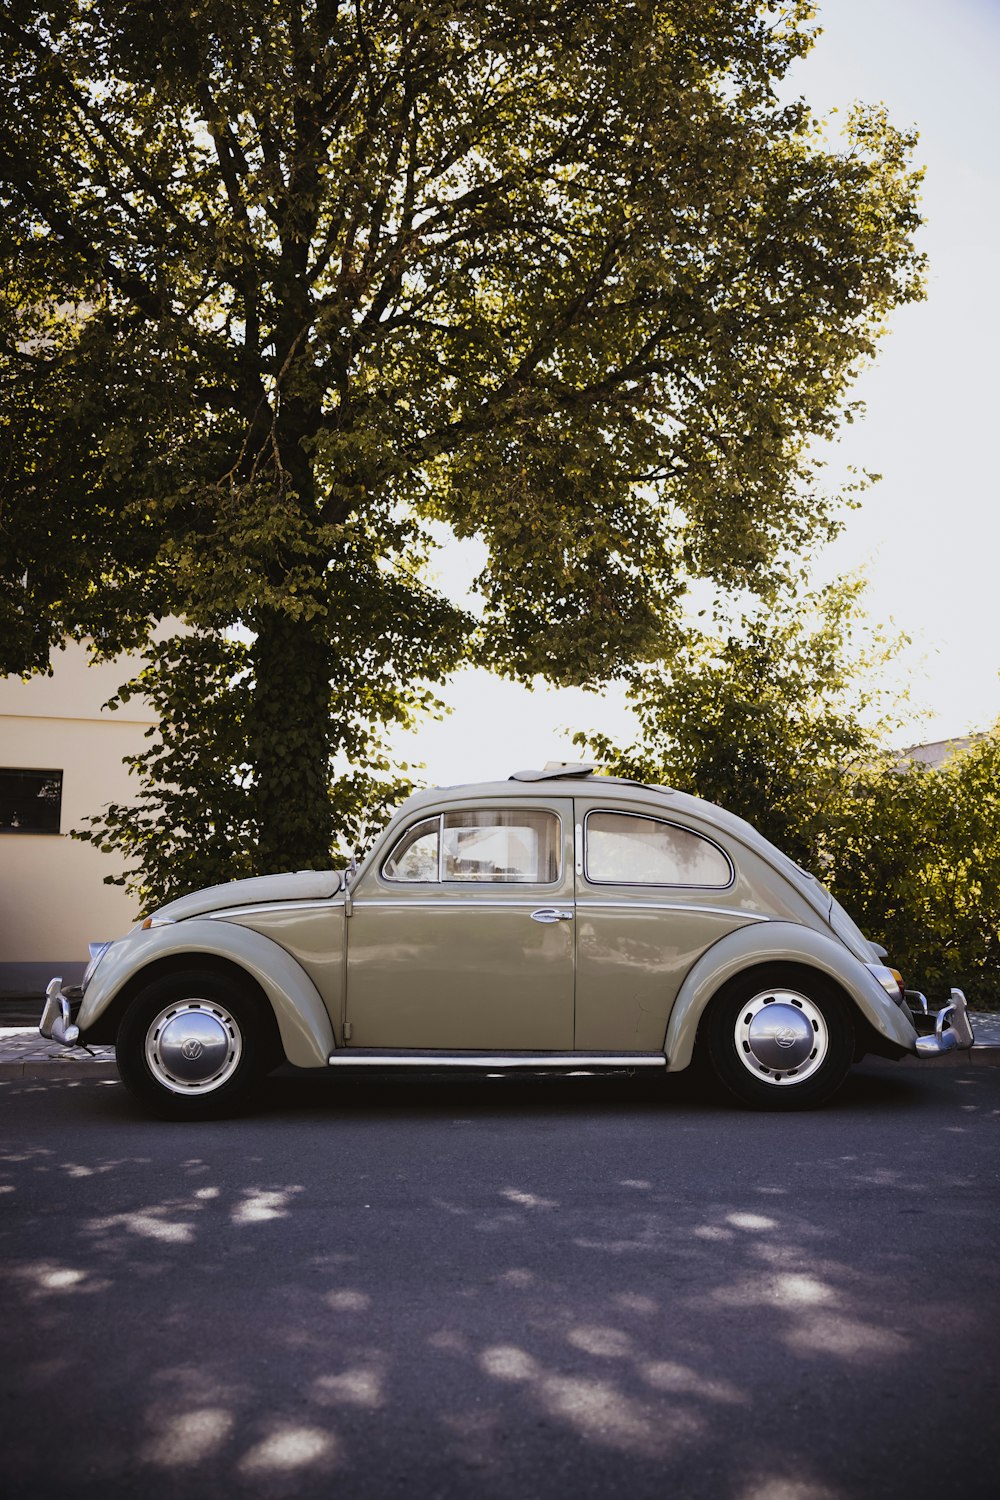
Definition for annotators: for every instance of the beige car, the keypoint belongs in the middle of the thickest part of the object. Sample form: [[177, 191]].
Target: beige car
[[556, 920]]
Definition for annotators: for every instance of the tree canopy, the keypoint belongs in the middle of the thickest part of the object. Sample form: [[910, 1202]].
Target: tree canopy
[[285, 283], [766, 712], [915, 857], [781, 713]]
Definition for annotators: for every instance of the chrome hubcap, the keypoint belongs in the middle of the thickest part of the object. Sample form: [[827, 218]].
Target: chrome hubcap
[[193, 1047], [781, 1037]]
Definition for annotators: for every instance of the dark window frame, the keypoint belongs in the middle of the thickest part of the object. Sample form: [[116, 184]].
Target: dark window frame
[[41, 775]]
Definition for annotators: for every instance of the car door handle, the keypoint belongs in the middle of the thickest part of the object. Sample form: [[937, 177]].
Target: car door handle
[[551, 914]]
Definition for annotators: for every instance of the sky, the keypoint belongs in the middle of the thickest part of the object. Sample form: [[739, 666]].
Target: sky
[[928, 534]]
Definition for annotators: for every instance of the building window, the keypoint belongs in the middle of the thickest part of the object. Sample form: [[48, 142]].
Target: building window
[[30, 801]]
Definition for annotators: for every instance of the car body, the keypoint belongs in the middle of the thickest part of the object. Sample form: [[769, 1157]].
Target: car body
[[557, 919]]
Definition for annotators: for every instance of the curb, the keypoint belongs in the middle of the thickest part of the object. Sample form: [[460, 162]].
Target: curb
[[55, 1068], [24, 1054]]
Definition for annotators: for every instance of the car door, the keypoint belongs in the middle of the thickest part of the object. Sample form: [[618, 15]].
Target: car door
[[652, 895], [462, 934]]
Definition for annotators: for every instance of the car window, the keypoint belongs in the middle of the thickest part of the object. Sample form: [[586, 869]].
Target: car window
[[479, 844], [626, 849], [494, 844], [415, 857]]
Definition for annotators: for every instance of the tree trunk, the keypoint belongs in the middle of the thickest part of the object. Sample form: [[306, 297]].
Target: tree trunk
[[289, 742]]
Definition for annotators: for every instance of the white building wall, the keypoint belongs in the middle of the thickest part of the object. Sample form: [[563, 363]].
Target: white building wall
[[53, 900]]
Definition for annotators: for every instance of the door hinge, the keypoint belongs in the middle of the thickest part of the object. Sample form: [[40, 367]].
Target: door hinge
[[347, 1031]]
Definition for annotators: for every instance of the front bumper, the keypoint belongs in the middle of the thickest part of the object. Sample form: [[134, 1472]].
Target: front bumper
[[58, 1023], [952, 1029]]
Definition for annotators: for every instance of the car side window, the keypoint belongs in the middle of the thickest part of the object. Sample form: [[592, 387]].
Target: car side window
[[628, 849], [517, 844], [512, 845], [415, 857]]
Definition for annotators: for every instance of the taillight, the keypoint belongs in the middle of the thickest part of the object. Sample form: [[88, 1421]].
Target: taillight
[[891, 981]]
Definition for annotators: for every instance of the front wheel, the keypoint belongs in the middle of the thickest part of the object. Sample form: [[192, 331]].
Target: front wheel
[[780, 1039], [191, 1046]]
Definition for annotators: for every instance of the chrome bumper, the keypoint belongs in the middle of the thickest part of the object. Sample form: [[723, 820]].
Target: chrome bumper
[[57, 1024], [952, 1029]]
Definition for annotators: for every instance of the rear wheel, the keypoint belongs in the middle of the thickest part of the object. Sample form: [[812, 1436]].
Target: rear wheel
[[192, 1046], [781, 1039]]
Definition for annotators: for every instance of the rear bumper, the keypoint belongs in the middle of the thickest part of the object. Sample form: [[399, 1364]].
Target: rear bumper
[[952, 1027], [58, 1023]]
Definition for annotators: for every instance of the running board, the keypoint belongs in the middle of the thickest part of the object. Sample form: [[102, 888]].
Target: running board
[[381, 1057]]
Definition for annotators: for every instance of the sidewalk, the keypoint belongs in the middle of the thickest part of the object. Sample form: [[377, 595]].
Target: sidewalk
[[25, 1054]]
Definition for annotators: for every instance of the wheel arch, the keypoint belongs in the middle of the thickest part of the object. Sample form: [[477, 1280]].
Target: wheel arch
[[267, 971], [105, 1028], [794, 975], [880, 1025]]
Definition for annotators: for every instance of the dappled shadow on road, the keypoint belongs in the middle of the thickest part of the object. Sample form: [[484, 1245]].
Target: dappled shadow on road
[[504, 1287]]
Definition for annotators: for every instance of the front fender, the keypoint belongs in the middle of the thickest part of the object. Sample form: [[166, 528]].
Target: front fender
[[778, 942], [303, 1023]]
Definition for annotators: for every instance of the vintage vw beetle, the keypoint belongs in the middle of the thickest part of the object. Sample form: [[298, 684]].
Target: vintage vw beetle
[[561, 919]]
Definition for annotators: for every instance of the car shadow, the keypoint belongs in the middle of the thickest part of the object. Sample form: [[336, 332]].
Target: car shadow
[[872, 1087]]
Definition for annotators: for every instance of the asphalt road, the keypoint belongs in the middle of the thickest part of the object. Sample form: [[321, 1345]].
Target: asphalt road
[[504, 1289]]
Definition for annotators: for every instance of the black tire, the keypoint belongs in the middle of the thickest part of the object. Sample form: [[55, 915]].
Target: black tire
[[193, 1046], [780, 1038]]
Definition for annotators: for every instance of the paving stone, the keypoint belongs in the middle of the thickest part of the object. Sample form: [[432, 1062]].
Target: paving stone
[[26, 1054]]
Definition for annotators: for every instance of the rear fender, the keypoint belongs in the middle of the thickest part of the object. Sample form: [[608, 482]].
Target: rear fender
[[766, 943]]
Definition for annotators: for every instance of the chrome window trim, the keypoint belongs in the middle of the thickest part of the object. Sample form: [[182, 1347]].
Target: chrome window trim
[[395, 879], [538, 885], [660, 885]]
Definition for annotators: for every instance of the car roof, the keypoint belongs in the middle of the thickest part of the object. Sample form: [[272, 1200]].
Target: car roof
[[582, 780], [620, 791], [576, 782], [531, 785]]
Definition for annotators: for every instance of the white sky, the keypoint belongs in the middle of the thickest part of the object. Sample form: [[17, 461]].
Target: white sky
[[929, 533]]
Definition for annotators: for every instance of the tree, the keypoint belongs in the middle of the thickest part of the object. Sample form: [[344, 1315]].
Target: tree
[[779, 714], [285, 282], [766, 714], [915, 856], [193, 820]]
